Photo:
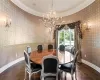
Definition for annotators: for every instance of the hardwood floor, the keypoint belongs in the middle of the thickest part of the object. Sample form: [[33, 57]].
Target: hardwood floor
[[16, 72]]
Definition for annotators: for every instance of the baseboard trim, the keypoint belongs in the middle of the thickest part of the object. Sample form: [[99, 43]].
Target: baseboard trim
[[22, 58], [91, 65], [10, 64]]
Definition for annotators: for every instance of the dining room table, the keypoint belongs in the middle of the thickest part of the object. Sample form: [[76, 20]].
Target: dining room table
[[63, 57], [37, 56]]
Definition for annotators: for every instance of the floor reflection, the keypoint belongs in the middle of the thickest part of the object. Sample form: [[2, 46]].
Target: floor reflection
[[64, 57]]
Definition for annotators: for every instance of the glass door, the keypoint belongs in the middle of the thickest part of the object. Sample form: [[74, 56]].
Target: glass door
[[65, 37]]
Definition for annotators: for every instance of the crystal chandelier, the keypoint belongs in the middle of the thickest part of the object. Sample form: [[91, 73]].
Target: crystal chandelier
[[50, 19]]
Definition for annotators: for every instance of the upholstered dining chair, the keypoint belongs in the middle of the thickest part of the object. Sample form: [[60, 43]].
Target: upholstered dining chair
[[61, 48], [39, 48], [50, 46], [49, 68], [73, 50], [29, 50], [30, 68], [70, 67]]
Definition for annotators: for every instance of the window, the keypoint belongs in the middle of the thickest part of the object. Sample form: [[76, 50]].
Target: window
[[66, 37]]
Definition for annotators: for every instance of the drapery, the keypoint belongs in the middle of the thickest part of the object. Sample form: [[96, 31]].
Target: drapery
[[78, 34]]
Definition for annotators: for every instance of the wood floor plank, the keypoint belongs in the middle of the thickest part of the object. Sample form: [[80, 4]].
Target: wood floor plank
[[16, 72]]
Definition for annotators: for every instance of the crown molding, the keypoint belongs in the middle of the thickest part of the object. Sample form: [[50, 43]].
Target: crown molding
[[77, 8], [65, 13]]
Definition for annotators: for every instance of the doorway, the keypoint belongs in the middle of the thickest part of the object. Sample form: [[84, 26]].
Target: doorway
[[66, 38]]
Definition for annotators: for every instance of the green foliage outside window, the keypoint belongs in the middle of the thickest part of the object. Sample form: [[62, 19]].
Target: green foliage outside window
[[62, 37], [67, 36]]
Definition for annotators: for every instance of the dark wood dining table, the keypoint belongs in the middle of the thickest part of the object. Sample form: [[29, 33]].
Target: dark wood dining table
[[37, 57]]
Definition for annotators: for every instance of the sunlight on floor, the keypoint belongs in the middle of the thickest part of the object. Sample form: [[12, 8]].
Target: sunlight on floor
[[68, 76], [64, 57]]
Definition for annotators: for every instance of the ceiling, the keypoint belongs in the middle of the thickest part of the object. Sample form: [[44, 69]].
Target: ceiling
[[62, 7]]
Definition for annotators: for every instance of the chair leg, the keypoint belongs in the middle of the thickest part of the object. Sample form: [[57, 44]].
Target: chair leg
[[65, 76], [61, 74], [75, 76], [72, 76], [25, 75], [29, 76]]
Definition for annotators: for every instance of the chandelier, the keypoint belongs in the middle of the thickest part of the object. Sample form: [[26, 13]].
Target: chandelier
[[50, 19]]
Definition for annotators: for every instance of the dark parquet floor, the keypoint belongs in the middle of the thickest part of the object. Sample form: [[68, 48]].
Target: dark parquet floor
[[16, 72]]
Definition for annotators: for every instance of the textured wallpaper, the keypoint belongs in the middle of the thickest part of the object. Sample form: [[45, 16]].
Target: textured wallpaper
[[25, 30], [91, 39]]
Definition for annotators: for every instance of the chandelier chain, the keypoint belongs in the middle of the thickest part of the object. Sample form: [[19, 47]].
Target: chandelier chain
[[51, 19]]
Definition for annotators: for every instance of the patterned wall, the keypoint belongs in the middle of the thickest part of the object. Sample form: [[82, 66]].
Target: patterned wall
[[24, 27], [91, 39], [25, 30]]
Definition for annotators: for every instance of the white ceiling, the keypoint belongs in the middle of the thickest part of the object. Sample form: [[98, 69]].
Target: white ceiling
[[63, 7], [45, 5]]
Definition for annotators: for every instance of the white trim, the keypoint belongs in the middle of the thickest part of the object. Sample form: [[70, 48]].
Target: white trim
[[91, 65], [10, 64], [22, 58], [27, 9], [65, 13], [77, 8]]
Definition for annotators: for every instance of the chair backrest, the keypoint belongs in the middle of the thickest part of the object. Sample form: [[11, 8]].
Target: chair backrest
[[76, 55], [27, 60], [72, 50], [75, 61], [39, 48], [49, 66], [29, 50], [50, 46], [62, 48]]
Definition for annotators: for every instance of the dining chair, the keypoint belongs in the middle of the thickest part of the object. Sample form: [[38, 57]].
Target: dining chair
[[49, 68], [30, 68], [29, 50], [72, 51], [61, 48], [39, 48], [70, 67], [50, 46]]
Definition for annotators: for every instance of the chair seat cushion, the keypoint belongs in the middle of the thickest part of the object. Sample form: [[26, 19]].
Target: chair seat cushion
[[66, 67], [50, 78], [35, 67]]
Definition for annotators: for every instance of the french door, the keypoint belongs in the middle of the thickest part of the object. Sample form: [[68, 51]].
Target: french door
[[66, 37]]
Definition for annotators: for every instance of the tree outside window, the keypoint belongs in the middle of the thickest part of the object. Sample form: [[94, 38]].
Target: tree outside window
[[69, 37]]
